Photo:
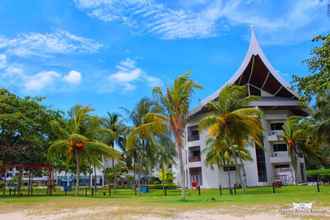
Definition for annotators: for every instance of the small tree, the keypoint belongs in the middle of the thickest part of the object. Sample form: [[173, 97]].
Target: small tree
[[114, 173]]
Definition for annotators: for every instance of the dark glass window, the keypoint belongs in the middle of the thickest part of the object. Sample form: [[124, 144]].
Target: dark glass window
[[276, 126], [229, 168], [279, 147], [255, 91], [194, 154], [193, 133], [282, 166], [261, 164], [302, 171]]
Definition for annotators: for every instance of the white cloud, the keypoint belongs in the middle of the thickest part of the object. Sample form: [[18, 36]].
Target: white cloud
[[128, 75], [14, 76], [291, 21], [3, 61], [156, 18], [297, 21], [46, 44], [40, 81], [73, 77]]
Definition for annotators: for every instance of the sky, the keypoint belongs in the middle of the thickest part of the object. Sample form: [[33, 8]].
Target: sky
[[109, 54]]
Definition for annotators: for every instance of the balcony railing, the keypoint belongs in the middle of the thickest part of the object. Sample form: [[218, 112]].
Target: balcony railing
[[275, 135], [194, 158], [280, 157]]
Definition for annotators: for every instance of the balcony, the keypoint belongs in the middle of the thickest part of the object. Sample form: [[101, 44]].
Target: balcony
[[275, 135], [195, 164], [193, 133], [280, 157], [195, 158]]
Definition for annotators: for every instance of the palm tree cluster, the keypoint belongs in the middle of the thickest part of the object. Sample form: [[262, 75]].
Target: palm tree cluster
[[78, 141], [151, 136]]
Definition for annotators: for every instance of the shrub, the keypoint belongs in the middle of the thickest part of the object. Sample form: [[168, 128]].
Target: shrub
[[160, 186], [321, 174]]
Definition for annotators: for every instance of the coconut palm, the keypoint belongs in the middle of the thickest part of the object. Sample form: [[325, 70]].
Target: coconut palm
[[117, 130], [76, 140], [223, 153], [291, 134], [301, 136], [230, 118], [176, 100], [144, 136]]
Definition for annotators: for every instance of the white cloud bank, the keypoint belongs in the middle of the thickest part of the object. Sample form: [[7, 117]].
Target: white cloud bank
[[15, 76], [290, 21], [128, 75], [47, 44]]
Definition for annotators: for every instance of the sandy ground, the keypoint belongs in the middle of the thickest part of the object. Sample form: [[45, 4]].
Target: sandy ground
[[130, 213]]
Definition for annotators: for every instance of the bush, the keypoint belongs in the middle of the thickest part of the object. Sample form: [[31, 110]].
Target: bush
[[160, 186], [321, 174]]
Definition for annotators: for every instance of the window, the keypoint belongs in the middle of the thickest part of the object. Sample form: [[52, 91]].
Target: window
[[282, 167], [193, 133], [302, 171], [255, 91], [194, 154], [229, 168], [276, 126], [280, 147], [261, 164], [196, 175]]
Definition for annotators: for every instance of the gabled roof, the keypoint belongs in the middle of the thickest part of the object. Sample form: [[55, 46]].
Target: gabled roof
[[257, 72]]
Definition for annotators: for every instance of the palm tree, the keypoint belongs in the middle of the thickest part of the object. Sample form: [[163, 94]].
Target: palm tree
[[223, 153], [176, 102], [322, 118], [144, 136], [215, 155], [301, 136], [76, 140], [231, 118], [117, 130]]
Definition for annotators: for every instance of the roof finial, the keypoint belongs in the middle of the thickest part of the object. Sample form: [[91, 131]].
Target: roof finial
[[253, 32]]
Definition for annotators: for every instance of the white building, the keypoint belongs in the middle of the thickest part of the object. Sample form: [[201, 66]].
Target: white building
[[278, 102]]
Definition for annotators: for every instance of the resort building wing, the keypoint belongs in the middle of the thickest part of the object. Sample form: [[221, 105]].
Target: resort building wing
[[278, 101]]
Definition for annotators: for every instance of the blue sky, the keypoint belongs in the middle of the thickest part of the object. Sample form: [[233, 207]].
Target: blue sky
[[110, 53]]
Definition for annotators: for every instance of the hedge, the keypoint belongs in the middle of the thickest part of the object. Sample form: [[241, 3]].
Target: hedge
[[322, 174], [160, 186]]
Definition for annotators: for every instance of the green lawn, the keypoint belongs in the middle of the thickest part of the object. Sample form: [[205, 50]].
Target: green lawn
[[209, 197]]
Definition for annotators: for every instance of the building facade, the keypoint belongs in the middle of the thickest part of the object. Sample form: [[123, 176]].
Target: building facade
[[271, 162]]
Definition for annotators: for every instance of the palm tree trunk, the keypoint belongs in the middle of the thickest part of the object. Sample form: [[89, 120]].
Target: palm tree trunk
[[5, 182], [182, 173], [293, 156], [244, 175], [229, 181], [238, 171], [77, 171], [95, 179], [19, 184], [113, 161], [30, 183], [90, 180], [134, 174]]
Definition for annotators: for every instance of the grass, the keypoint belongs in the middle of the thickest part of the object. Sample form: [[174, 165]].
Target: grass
[[208, 198]]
